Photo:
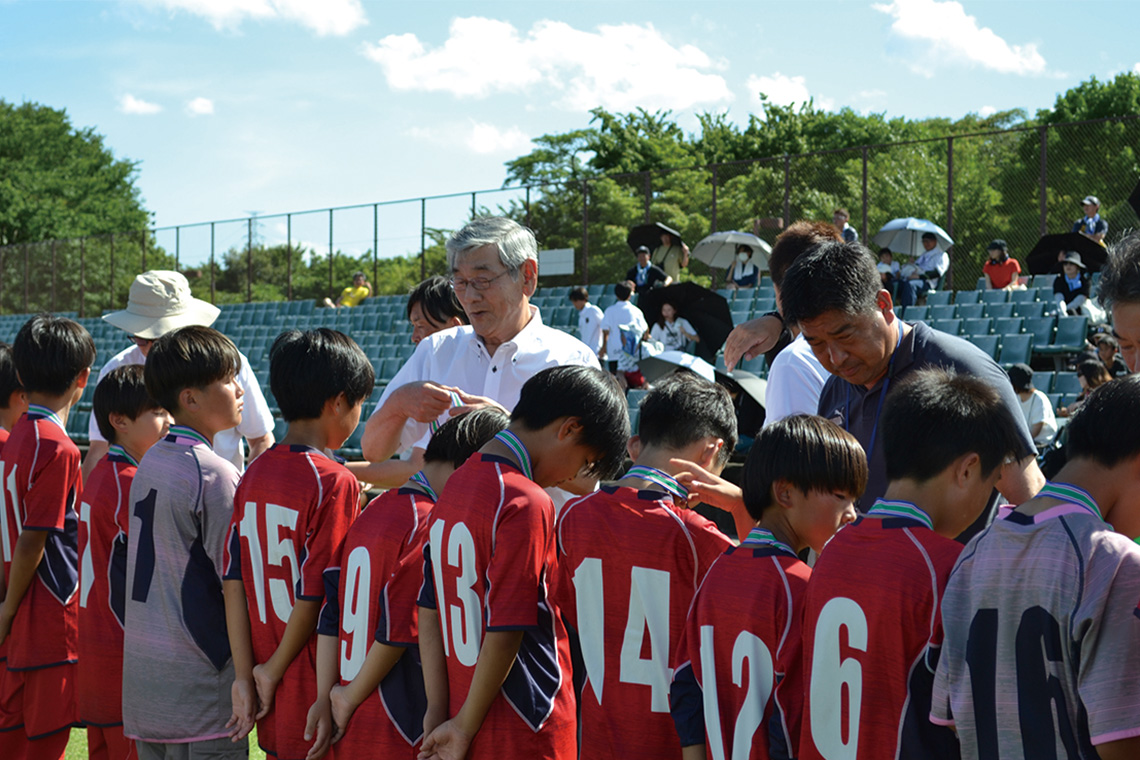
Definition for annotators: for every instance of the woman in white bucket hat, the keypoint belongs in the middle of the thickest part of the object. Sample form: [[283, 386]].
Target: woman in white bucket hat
[[160, 301]]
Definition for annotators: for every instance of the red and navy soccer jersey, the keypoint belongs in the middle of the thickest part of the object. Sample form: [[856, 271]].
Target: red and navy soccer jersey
[[629, 562], [736, 689], [487, 568], [871, 608], [39, 475], [104, 518], [292, 510], [370, 594]]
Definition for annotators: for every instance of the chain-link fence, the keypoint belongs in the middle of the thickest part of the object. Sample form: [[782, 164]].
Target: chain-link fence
[[1015, 184]]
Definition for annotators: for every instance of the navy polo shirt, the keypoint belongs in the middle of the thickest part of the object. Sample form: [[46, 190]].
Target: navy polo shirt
[[856, 409]]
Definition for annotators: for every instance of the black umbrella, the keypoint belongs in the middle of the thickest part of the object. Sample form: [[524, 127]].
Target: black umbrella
[[1134, 199], [707, 312], [1043, 258], [649, 235]]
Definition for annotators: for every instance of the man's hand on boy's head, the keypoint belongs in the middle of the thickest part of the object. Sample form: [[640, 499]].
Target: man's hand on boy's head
[[243, 694]]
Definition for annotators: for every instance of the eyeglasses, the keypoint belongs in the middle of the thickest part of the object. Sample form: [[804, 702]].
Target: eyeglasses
[[477, 283]]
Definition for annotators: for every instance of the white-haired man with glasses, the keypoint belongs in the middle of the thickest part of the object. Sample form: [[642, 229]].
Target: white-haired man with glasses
[[494, 268]]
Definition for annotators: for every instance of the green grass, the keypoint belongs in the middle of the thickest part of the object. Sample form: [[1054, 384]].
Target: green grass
[[77, 746]]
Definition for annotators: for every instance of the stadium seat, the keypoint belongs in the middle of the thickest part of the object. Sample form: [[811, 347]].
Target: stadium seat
[[980, 326], [970, 310], [1054, 400], [1043, 381], [1041, 328], [757, 366], [1069, 339], [980, 284], [938, 297], [999, 310], [1043, 281], [1008, 326], [634, 397], [1022, 296], [1066, 382], [951, 326], [1015, 349], [967, 296], [993, 296], [916, 313], [943, 311], [1029, 309], [988, 343]]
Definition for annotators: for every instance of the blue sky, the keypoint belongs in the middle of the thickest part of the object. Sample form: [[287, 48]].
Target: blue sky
[[269, 106]]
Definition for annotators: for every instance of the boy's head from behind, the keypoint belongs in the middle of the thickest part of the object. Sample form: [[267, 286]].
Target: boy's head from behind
[[810, 467], [12, 395], [51, 354], [683, 410], [308, 369], [592, 411], [193, 358], [623, 290], [579, 296], [463, 435], [125, 412], [955, 427]]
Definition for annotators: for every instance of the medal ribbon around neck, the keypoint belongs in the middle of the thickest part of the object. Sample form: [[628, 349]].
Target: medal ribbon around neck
[[117, 450], [1072, 494], [659, 478], [187, 436], [455, 401], [43, 411], [903, 509], [421, 480], [764, 537], [512, 442]]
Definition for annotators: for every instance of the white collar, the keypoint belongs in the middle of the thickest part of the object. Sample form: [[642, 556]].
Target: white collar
[[526, 338]]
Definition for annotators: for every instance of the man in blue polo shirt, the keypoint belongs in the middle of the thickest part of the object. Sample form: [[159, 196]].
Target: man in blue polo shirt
[[834, 294], [1091, 225]]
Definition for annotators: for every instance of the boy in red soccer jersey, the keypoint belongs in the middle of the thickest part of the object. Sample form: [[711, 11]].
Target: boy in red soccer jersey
[[872, 604], [372, 641], [801, 480], [13, 404], [39, 468], [292, 510], [131, 422], [494, 649], [630, 558]]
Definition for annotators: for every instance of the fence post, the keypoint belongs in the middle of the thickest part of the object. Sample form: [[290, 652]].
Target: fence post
[[950, 204], [3, 250], [82, 275], [144, 249], [25, 278], [177, 248], [1041, 197], [249, 260], [787, 190], [289, 257], [863, 231], [53, 275], [111, 289], [528, 206], [586, 227], [331, 291], [472, 205], [712, 220], [375, 243], [212, 295], [423, 239], [648, 198]]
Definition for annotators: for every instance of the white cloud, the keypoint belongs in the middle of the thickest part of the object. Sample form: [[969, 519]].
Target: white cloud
[[942, 32], [1136, 69], [985, 111], [617, 67], [325, 17], [129, 104], [479, 137], [200, 107], [785, 91]]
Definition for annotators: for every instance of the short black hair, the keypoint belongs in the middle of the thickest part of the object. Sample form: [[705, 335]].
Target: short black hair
[[464, 434], [791, 244], [9, 381], [51, 352], [1094, 372], [122, 391], [437, 299], [189, 357], [1020, 377], [929, 236], [579, 294], [810, 452], [935, 416], [1120, 277], [832, 276], [306, 369], [684, 408], [589, 394], [623, 291], [1115, 407]]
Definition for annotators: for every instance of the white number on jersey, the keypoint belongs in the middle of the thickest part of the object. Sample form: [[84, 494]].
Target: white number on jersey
[[648, 610], [830, 675], [277, 551], [9, 513], [462, 630], [749, 648], [86, 567], [354, 615]]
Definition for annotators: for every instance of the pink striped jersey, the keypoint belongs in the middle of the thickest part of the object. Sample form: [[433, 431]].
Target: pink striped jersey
[[736, 688], [1042, 635], [871, 630]]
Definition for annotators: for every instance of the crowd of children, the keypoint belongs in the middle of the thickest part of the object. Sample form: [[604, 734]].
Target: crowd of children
[[170, 605]]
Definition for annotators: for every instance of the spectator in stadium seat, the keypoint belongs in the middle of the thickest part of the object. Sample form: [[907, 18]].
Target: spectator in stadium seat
[[1071, 290], [834, 294], [1035, 405], [1119, 292], [159, 302], [744, 274], [672, 256], [646, 275], [494, 267], [354, 293], [433, 306], [1108, 351], [1091, 225], [930, 266], [1091, 374], [841, 217], [1001, 270]]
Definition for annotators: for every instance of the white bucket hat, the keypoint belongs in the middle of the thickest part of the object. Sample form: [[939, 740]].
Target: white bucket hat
[[159, 302]]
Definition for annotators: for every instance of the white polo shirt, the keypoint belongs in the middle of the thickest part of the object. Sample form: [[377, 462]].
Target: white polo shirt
[[590, 326], [256, 419], [457, 357], [795, 381]]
